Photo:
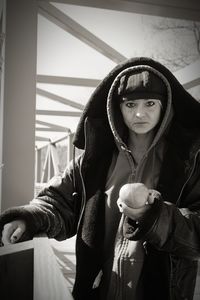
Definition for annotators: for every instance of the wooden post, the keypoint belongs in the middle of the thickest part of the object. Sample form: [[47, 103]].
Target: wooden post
[[2, 74], [19, 104]]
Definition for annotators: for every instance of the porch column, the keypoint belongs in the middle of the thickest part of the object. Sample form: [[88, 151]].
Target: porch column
[[19, 103]]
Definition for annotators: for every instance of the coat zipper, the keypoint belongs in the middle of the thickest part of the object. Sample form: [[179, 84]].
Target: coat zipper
[[83, 202], [120, 287], [134, 172]]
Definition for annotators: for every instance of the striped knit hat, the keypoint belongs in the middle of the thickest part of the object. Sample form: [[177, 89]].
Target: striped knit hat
[[141, 84]]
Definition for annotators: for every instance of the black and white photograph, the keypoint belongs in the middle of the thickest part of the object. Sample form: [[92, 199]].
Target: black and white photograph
[[99, 150]]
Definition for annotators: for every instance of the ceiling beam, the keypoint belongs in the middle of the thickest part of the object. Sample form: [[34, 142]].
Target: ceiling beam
[[65, 22], [68, 80], [59, 99], [192, 84], [50, 129], [41, 139], [179, 9], [51, 125], [189, 76], [58, 113]]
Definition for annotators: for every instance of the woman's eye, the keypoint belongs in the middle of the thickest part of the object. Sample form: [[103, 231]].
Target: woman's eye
[[150, 103], [130, 104]]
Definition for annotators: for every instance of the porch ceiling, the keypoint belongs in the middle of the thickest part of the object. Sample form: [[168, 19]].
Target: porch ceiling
[[79, 42]]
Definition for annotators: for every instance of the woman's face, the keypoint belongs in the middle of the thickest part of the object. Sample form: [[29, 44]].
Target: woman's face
[[141, 115]]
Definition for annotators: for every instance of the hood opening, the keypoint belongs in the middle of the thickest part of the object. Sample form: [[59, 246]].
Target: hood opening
[[115, 118]]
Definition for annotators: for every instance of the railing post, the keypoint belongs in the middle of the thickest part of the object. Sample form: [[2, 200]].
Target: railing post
[[70, 147], [38, 164], [45, 166], [55, 159]]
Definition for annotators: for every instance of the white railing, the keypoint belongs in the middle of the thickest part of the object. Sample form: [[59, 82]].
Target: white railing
[[49, 164]]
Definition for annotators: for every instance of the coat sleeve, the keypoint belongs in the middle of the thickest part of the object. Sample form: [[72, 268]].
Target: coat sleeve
[[168, 228], [55, 211]]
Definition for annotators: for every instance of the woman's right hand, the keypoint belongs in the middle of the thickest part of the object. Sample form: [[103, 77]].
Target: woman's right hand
[[13, 231]]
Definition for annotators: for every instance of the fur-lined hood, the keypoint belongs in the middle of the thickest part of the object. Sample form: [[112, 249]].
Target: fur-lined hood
[[186, 108]]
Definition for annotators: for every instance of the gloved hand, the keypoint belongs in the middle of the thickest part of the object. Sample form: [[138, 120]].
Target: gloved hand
[[13, 231]]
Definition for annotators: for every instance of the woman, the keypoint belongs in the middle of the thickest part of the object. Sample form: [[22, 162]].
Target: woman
[[140, 126]]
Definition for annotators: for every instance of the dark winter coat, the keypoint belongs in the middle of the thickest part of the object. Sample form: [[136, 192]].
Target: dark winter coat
[[171, 228]]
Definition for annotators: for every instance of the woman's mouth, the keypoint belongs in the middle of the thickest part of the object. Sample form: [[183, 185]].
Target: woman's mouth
[[140, 123]]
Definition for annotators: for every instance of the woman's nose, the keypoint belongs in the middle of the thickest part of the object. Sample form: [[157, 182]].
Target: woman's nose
[[140, 111]]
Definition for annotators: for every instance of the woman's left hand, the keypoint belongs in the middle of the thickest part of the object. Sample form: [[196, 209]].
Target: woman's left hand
[[133, 213], [135, 199]]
